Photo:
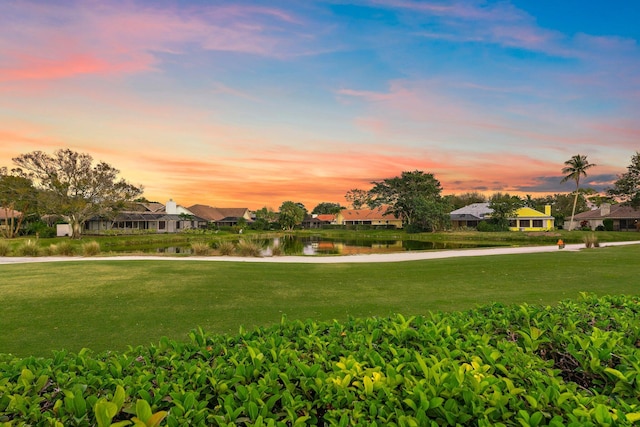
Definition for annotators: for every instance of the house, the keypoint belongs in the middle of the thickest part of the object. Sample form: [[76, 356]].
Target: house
[[625, 218], [529, 219], [318, 220], [9, 217], [525, 219], [147, 217], [470, 215], [222, 217], [373, 217]]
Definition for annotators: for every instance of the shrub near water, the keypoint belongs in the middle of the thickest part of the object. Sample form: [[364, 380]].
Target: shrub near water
[[226, 248], [200, 248], [249, 248], [576, 364]]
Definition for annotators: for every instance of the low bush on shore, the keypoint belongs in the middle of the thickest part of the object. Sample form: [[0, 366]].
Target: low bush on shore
[[576, 363]]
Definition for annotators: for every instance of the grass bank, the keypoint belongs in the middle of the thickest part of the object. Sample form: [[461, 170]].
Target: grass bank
[[112, 304]]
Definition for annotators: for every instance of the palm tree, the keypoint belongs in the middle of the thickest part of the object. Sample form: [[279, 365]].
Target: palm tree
[[574, 168]]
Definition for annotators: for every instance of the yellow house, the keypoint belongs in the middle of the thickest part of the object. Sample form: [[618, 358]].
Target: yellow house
[[373, 217], [528, 219]]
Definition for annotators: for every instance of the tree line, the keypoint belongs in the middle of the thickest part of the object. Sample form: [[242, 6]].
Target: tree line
[[68, 185]]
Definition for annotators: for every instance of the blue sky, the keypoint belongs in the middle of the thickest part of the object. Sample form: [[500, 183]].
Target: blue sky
[[254, 103]]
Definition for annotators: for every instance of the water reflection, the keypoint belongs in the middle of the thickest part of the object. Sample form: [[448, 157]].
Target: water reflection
[[295, 245], [315, 245]]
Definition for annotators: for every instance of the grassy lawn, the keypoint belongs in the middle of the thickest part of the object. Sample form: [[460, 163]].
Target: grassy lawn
[[108, 305]]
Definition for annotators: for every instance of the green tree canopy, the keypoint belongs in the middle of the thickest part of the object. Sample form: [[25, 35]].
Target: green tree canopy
[[73, 187], [264, 218], [291, 214], [327, 208], [503, 207], [16, 194], [575, 168], [357, 198], [465, 199], [415, 197], [627, 187]]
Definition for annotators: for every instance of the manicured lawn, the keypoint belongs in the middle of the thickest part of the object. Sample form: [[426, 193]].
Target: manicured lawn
[[108, 305]]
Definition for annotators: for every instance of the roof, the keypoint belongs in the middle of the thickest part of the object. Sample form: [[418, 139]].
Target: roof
[[615, 212], [480, 211], [473, 211], [364, 214], [217, 214], [326, 217], [6, 213]]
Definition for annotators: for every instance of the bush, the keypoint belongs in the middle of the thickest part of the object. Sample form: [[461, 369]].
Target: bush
[[249, 248], [572, 364], [277, 250], [487, 226], [226, 248], [600, 228], [200, 249], [5, 249], [40, 229], [608, 224], [91, 248], [590, 240], [29, 248], [63, 248]]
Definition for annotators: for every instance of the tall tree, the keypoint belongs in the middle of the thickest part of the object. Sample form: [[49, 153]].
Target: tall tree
[[17, 194], [465, 199], [357, 198], [415, 197], [327, 208], [575, 168], [290, 215], [73, 187], [627, 187], [503, 207]]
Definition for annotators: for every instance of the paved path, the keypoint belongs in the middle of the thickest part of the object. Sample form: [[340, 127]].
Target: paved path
[[392, 257]]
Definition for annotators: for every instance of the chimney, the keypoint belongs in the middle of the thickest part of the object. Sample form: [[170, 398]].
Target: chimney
[[605, 209], [547, 210], [171, 208]]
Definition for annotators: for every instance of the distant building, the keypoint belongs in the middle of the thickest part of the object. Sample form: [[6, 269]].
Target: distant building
[[624, 218], [526, 219]]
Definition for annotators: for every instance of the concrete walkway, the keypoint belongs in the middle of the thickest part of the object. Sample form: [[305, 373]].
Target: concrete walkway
[[392, 257]]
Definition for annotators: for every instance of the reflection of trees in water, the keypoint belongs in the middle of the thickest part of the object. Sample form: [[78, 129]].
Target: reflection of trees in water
[[291, 245]]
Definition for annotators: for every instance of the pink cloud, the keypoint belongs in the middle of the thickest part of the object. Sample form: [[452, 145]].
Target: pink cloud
[[48, 41]]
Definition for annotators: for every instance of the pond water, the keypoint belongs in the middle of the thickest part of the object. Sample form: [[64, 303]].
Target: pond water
[[297, 245]]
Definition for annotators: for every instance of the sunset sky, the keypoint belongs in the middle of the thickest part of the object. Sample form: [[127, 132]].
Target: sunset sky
[[251, 103]]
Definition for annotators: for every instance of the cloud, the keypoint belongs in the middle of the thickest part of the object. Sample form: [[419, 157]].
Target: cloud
[[54, 41]]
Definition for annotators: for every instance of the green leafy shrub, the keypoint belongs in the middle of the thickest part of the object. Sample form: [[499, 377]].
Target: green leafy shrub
[[5, 249], [40, 229], [29, 248], [249, 248], [608, 224], [488, 226], [200, 248], [90, 248], [574, 364]]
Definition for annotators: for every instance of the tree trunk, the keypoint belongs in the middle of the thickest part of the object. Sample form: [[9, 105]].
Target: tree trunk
[[573, 211], [76, 227]]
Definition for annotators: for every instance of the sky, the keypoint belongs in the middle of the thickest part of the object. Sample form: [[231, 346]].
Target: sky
[[252, 103]]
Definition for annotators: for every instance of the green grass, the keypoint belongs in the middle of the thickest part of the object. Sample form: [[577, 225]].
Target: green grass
[[108, 305]]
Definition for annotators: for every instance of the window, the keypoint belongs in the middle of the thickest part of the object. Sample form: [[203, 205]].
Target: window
[[162, 225], [525, 223], [537, 223], [512, 223]]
